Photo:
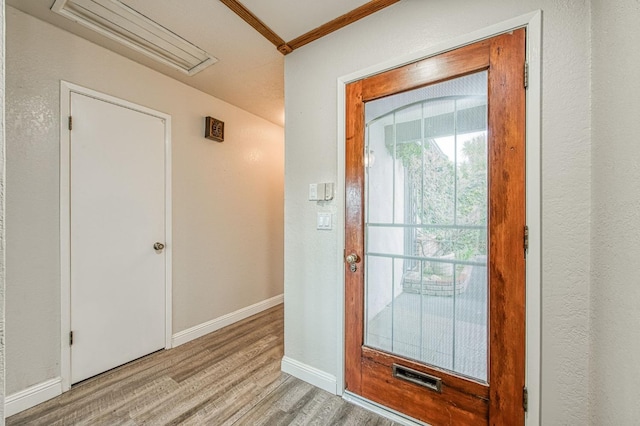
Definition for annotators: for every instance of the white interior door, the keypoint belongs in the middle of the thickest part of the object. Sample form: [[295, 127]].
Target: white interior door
[[117, 214]]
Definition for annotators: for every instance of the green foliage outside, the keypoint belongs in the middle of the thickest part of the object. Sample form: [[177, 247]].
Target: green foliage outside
[[432, 189]]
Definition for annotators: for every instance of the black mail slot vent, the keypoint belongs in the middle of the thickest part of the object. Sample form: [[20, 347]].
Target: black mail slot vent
[[417, 377]]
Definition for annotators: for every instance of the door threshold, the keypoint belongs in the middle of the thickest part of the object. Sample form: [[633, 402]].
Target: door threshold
[[381, 410]]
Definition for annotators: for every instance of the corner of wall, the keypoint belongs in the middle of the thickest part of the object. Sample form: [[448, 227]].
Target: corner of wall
[[614, 341], [2, 203], [32, 396], [309, 374]]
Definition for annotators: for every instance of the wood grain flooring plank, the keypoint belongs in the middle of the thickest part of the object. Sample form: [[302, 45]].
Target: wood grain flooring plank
[[227, 418], [266, 407], [311, 409], [325, 410], [220, 353], [246, 393], [198, 390], [230, 377], [105, 410], [195, 390], [107, 398]]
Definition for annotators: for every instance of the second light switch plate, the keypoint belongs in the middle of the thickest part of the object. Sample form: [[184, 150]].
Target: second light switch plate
[[324, 221]]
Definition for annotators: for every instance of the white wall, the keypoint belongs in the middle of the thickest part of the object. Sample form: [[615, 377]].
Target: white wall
[[312, 277], [227, 198], [2, 211], [615, 286]]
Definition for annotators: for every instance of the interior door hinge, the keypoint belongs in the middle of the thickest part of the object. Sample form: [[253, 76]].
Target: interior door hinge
[[70, 123], [526, 75], [525, 399], [526, 240], [70, 338]]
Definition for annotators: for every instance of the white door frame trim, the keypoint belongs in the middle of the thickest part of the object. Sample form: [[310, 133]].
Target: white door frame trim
[[533, 23], [66, 89]]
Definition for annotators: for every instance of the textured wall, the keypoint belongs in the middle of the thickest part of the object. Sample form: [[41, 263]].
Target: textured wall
[[2, 212], [615, 293], [312, 280], [227, 198]]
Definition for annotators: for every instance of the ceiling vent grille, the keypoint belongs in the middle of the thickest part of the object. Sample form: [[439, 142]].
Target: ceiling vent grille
[[121, 23]]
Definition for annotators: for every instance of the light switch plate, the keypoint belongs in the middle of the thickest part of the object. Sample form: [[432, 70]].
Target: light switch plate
[[328, 191], [324, 221], [321, 191], [313, 192], [321, 187]]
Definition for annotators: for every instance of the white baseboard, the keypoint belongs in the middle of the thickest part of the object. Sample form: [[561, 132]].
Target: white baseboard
[[32, 396], [317, 378], [200, 330]]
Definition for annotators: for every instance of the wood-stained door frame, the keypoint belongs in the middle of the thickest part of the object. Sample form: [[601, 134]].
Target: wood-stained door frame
[[66, 89], [369, 371], [532, 22]]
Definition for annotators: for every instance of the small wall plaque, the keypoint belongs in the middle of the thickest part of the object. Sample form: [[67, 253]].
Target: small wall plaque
[[214, 129]]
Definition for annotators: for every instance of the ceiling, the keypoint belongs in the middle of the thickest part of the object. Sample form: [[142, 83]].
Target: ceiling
[[250, 70]]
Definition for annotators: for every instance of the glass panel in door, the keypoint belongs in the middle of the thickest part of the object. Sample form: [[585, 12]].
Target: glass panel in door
[[426, 289]]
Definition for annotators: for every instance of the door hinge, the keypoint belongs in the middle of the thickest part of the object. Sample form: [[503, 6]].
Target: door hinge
[[526, 75], [70, 338], [70, 123], [525, 399], [526, 240]]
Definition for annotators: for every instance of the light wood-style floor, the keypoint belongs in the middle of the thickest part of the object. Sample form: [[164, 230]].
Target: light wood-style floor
[[230, 377]]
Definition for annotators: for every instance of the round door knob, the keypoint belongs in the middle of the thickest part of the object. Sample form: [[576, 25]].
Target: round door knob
[[352, 258], [158, 246]]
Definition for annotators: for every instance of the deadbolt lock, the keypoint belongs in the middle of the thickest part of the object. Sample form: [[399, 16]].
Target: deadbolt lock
[[158, 246]]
